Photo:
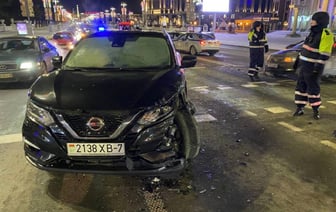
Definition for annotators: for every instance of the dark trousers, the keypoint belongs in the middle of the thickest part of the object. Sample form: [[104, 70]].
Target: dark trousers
[[307, 89], [256, 60]]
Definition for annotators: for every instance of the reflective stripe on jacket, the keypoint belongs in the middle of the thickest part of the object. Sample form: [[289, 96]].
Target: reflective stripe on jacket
[[317, 47], [257, 39]]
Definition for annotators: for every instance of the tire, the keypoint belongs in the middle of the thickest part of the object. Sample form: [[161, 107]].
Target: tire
[[193, 51], [189, 134]]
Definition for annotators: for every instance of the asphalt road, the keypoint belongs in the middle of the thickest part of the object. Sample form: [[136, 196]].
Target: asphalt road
[[255, 156]]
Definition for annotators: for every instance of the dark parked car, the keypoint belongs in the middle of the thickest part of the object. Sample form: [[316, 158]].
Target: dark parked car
[[281, 63], [118, 104], [24, 58]]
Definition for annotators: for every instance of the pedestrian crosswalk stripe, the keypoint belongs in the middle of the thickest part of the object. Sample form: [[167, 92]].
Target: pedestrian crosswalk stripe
[[250, 85], [220, 87], [329, 144], [205, 118], [332, 102], [277, 109], [11, 138], [201, 89], [250, 113], [291, 127]]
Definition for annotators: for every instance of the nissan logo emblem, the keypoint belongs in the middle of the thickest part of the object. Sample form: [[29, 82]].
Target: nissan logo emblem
[[95, 123]]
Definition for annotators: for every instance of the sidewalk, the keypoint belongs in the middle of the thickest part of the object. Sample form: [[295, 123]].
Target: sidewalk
[[277, 40]]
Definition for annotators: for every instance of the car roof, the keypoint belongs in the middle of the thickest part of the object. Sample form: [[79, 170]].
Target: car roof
[[20, 37]]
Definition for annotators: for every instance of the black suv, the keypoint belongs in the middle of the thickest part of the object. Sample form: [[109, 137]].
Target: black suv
[[117, 104]]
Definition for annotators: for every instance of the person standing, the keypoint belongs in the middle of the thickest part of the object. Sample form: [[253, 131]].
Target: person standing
[[258, 47], [316, 50]]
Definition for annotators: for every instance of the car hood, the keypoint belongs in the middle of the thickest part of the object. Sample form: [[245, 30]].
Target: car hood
[[286, 52], [105, 90], [18, 56]]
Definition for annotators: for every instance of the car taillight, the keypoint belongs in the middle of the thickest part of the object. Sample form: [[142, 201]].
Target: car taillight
[[202, 42]]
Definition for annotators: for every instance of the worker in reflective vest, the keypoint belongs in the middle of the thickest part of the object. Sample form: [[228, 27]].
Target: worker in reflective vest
[[258, 47], [315, 52]]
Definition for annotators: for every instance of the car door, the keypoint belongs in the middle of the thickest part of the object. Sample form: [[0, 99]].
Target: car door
[[179, 42], [48, 51]]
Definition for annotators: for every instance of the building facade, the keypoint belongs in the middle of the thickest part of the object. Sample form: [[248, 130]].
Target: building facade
[[168, 12]]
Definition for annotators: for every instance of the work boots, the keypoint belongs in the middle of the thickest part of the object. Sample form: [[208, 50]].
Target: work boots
[[299, 112], [316, 115]]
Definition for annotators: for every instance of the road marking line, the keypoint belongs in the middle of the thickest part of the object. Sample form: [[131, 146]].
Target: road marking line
[[201, 89], [204, 118], [291, 127], [277, 109], [332, 102], [250, 85], [223, 87], [272, 83], [328, 144], [11, 138], [250, 113]]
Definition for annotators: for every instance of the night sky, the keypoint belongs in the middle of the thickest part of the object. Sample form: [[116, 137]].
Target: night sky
[[100, 5]]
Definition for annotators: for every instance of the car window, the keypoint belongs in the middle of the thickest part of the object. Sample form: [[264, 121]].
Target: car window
[[205, 37], [122, 51], [62, 36], [16, 44]]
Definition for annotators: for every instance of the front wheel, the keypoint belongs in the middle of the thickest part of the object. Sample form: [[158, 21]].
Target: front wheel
[[193, 51], [189, 134]]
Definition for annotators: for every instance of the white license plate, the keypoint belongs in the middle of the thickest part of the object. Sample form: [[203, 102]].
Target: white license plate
[[5, 76], [272, 65], [96, 149]]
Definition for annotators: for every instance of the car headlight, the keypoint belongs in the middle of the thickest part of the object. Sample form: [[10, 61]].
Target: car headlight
[[38, 114], [154, 115], [26, 65], [289, 59]]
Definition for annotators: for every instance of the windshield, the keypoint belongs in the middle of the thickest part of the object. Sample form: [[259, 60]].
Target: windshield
[[121, 52], [17, 44]]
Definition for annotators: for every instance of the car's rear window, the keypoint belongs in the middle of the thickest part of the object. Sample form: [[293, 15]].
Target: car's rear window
[[120, 51], [62, 36]]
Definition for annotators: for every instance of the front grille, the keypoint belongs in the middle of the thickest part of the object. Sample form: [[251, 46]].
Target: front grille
[[79, 123], [7, 66]]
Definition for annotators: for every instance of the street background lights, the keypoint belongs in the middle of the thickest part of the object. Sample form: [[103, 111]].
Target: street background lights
[[123, 11]]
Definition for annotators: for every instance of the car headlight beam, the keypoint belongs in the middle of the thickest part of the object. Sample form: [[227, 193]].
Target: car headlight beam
[[38, 114]]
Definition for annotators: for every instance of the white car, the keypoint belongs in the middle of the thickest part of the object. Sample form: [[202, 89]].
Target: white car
[[195, 43]]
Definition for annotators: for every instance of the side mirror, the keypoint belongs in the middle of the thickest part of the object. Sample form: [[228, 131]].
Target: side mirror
[[188, 61], [46, 49], [57, 61]]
